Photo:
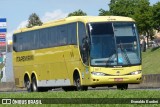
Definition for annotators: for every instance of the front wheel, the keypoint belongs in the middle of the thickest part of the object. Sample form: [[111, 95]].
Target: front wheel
[[122, 86], [77, 81]]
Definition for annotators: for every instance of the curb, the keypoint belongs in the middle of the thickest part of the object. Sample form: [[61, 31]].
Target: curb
[[7, 86], [148, 81]]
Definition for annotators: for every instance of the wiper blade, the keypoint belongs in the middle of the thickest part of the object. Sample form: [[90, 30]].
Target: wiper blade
[[124, 54], [109, 61]]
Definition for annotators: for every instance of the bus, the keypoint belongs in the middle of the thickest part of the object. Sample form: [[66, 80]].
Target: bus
[[78, 52]]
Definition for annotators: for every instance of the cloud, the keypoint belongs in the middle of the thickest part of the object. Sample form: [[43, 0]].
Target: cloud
[[23, 24], [48, 16], [9, 35], [54, 15]]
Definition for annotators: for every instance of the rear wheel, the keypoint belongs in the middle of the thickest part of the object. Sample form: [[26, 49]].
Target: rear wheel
[[28, 86], [37, 89], [122, 86], [27, 83], [34, 84]]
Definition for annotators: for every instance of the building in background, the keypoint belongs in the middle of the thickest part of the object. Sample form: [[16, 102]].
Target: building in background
[[5, 53], [3, 32]]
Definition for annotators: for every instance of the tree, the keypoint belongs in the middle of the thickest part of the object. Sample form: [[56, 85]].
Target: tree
[[34, 20], [123, 7], [139, 10], [156, 16], [143, 16], [103, 12], [77, 13]]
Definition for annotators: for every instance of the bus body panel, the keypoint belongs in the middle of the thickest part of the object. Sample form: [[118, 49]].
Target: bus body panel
[[49, 64], [55, 66], [114, 73]]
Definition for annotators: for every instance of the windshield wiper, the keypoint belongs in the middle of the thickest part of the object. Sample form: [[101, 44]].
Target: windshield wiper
[[124, 54], [109, 61]]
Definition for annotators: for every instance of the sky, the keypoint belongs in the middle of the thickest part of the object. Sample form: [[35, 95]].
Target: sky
[[18, 11]]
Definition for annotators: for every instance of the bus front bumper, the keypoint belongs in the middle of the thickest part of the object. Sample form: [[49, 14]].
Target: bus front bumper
[[108, 80]]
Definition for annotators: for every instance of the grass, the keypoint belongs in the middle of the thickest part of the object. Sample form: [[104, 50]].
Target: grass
[[1, 66], [90, 94], [151, 61], [87, 94]]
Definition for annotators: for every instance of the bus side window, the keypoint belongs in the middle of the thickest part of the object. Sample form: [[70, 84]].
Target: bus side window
[[72, 35], [20, 43], [15, 43], [53, 37], [62, 35], [43, 38], [82, 35]]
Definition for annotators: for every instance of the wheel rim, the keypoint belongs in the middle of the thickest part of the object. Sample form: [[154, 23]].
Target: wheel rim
[[78, 84], [28, 85]]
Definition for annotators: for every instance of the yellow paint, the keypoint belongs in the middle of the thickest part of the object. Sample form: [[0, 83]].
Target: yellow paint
[[58, 63]]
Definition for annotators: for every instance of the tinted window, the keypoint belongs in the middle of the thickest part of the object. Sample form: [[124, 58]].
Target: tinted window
[[82, 42], [45, 38], [62, 35], [101, 28], [81, 32], [53, 37], [72, 33]]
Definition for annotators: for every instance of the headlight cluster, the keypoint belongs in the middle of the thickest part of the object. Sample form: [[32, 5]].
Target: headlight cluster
[[98, 73], [135, 72]]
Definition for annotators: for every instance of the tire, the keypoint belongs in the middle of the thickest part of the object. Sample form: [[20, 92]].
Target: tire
[[122, 86], [37, 89], [77, 82], [28, 85], [34, 84]]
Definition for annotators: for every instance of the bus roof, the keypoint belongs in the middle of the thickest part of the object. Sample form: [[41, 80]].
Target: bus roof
[[84, 19]]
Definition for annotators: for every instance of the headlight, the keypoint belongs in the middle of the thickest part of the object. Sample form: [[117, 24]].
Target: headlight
[[135, 72], [98, 73]]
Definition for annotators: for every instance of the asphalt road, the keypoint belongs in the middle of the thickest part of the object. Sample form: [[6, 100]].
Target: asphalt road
[[90, 89]]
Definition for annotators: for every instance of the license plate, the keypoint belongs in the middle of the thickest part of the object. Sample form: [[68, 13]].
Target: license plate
[[118, 79]]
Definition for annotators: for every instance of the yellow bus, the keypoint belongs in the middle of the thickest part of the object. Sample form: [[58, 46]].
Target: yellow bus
[[76, 53]]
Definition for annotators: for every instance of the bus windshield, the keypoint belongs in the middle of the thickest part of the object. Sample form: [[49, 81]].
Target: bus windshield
[[114, 44]]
